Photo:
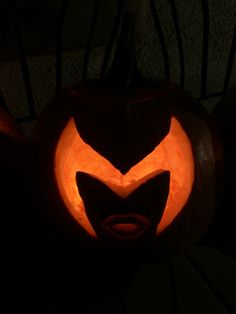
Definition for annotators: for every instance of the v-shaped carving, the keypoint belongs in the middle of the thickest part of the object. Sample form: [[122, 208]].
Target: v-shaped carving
[[173, 154], [100, 201], [148, 200]]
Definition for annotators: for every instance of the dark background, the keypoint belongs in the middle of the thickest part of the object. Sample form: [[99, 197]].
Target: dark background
[[38, 24], [151, 289]]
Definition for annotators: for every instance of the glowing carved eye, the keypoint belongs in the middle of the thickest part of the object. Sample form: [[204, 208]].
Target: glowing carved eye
[[173, 154]]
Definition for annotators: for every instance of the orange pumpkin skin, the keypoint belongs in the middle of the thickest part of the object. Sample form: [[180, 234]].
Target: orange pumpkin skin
[[13, 189], [126, 129]]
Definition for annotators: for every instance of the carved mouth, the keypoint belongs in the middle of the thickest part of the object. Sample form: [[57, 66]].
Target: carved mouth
[[126, 226]]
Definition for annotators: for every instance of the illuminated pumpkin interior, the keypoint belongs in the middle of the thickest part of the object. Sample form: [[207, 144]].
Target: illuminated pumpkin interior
[[174, 153]]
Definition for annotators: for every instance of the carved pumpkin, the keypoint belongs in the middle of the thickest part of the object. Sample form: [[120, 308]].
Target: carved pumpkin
[[127, 169]]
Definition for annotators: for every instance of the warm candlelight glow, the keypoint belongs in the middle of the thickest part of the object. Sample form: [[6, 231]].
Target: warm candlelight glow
[[174, 154]]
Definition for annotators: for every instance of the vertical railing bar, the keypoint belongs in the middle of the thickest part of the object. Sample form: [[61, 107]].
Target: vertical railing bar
[[90, 40], [205, 39], [23, 119], [59, 42], [179, 42], [22, 58], [161, 38], [173, 286], [211, 95], [218, 295], [3, 103], [230, 62], [111, 41]]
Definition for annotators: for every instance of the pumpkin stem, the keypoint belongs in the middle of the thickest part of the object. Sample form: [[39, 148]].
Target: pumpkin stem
[[124, 70]]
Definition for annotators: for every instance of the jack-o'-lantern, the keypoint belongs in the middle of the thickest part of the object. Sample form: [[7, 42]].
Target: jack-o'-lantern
[[127, 168]]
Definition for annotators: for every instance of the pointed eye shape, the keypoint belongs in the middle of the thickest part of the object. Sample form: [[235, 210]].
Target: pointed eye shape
[[124, 217], [173, 154]]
